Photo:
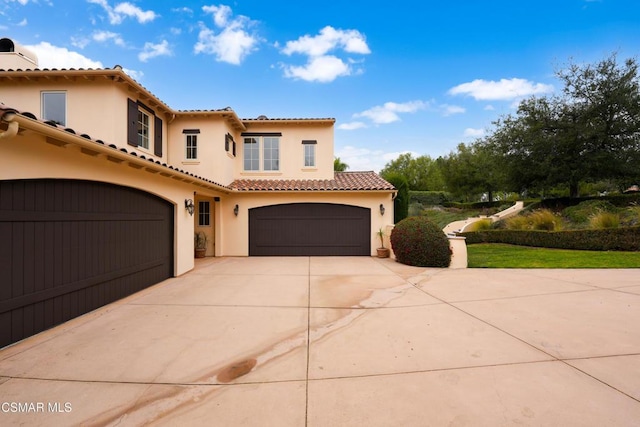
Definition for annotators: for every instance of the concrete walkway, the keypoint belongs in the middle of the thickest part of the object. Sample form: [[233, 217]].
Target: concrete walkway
[[341, 342]]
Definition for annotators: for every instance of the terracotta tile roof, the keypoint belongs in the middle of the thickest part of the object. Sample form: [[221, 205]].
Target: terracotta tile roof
[[343, 181], [265, 119], [117, 151]]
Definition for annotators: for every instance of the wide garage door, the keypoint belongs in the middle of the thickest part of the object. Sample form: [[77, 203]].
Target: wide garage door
[[309, 229], [68, 247]]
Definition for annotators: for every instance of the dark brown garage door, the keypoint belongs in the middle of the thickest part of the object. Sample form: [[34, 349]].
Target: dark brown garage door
[[309, 229], [68, 247]]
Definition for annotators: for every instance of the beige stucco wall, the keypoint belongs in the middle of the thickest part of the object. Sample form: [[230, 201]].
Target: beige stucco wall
[[213, 162], [292, 151], [235, 239], [14, 61], [29, 156], [96, 107]]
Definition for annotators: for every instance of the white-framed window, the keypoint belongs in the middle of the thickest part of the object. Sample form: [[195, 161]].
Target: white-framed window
[[144, 129], [251, 154], [191, 145], [204, 214], [309, 154], [54, 106], [261, 153], [271, 153]]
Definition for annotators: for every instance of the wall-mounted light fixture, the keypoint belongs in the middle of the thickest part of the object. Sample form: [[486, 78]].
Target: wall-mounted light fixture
[[189, 206], [235, 210], [382, 209]]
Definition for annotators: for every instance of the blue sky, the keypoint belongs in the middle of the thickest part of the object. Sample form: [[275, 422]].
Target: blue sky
[[401, 76]]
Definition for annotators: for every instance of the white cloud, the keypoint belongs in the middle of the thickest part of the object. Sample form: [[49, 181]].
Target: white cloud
[[475, 133], [104, 36], [183, 9], [124, 10], [127, 9], [22, 23], [351, 41], [362, 159], [220, 14], [320, 66], [489, 107], [388, 113], [153, 50], [233, 43], [321, 69], [503, 90], [136, 75], [365, 159], [22, 2], [352, 126], [50, 56], [449, 110]]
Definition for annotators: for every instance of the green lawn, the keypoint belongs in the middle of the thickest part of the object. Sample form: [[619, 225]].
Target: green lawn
[[493, 255]]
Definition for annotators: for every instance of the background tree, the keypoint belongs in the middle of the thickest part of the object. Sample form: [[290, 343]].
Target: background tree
[[474, 169], [401, 202], [590, 132], [422, 173], [339, 166]]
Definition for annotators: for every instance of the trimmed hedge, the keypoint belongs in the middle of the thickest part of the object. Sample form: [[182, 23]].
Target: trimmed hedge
[[420, 242], [619, 200], [615, 239], [428, 198]]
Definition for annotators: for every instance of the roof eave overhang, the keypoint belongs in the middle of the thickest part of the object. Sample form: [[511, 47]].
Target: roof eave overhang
[[60, 137]]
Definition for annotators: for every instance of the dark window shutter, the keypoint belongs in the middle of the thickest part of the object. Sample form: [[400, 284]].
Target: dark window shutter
[[157, 132], [132, 123]]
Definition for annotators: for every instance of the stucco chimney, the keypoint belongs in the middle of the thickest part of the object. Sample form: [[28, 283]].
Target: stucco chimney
[[14, 56]]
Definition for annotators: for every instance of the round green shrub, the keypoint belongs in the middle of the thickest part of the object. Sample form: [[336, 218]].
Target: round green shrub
[[420, 242]]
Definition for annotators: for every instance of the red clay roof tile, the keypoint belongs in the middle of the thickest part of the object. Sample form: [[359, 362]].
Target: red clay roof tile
[[343, 181]]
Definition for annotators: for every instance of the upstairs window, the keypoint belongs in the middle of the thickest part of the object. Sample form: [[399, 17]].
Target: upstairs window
[[261, 152], [144, 129], [191, 143], [229, 144], [54, 107], [271, 153], [309, 153], [192, 147], [251, 154]]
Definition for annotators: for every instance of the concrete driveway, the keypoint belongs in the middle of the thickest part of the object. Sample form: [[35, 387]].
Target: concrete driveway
[[341, 342]]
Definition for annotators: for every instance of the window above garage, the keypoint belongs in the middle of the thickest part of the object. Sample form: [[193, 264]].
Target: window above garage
[[261, 152], [54, 106], [144, 128]]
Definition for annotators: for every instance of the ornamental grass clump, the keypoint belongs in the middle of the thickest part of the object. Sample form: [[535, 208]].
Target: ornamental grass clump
[[419, 242], [602, 220], [546, 220]]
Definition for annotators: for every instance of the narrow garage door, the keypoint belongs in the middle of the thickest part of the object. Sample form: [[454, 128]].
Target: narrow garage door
[[311, 229], [68, 247]]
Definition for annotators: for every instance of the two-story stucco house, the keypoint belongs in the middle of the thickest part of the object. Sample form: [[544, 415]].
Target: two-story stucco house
[[103, 187]]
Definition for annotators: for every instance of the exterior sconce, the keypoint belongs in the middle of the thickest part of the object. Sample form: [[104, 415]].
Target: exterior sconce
[[189, 206], [382, 209], [235, 210]]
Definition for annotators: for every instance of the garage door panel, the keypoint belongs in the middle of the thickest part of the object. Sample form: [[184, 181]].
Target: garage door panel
[[309, 229], [69, 247]]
